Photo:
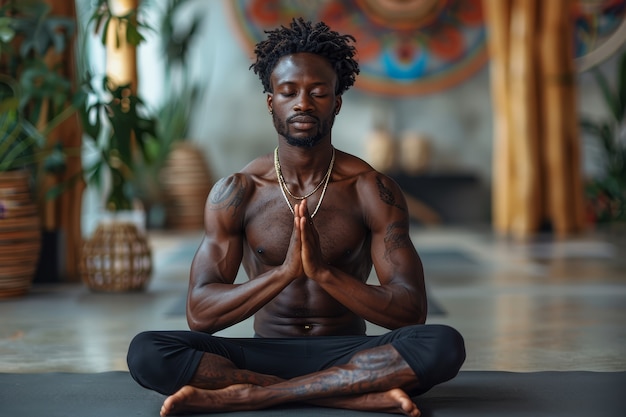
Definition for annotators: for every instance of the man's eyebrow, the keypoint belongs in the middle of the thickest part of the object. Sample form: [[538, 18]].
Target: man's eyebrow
[[314, 83]]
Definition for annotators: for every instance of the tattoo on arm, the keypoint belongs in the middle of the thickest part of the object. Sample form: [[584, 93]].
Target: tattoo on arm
[[227, 192], [397, 237], [386, 195]]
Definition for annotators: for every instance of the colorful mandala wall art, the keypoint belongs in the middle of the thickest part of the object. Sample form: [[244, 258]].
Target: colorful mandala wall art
[[405, 47], [600, 30]]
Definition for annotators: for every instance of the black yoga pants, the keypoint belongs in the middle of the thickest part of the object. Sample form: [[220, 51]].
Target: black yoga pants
[[164, 361]]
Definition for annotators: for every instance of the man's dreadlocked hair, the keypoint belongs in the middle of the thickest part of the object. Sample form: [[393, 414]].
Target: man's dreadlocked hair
[[304, 37]]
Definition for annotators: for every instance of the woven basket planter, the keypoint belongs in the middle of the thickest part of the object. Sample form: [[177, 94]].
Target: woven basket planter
[[20, 234], [117, 258], [186, 180]]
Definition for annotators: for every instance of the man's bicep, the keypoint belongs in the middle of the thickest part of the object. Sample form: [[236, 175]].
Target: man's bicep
[[221, 249], [393, 253], [216, 260]]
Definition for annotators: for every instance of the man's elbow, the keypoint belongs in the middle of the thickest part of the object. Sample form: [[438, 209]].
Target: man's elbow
[[418, 317], [419, 313], [417, 308], [421, 319], [198, 324]]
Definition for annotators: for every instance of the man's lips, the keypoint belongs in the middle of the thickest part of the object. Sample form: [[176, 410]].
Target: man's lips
[[303, 122]]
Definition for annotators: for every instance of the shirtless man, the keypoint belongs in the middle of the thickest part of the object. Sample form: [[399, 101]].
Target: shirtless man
[[307, 222]]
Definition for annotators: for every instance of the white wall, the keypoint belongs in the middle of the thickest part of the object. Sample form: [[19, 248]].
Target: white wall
[[233, 125]]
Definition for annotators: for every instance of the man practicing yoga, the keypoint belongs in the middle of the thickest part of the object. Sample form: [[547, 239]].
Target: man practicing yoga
[[307, 222]]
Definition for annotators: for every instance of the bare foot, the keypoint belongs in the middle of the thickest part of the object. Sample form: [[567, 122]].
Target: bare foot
[[190, 399], [393, 401]]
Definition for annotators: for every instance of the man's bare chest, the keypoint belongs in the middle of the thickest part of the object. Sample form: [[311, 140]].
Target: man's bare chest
[[341, 233]]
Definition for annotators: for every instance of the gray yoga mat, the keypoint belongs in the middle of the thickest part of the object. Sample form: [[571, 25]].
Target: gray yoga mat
[[471, 393]]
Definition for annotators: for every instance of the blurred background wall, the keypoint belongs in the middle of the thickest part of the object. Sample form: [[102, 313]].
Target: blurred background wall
[[231, 124]]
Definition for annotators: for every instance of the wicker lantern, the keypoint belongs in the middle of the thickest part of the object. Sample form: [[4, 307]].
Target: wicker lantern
[[116, 259]]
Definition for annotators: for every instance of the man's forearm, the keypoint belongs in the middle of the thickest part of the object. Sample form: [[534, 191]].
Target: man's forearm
[[216, 306], [390, 306]]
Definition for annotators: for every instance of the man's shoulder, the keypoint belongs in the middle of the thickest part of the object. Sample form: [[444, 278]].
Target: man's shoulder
[[244, 181], [362, 172], [351, 166], [261, 166], [255, 170]]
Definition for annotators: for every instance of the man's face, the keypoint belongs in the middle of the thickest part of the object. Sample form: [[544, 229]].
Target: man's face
[[303, 99]]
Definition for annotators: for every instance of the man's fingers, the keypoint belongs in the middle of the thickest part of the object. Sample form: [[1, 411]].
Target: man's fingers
[[304, 209]]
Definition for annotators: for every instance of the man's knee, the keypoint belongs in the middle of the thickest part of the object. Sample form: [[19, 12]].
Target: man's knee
[[434, 352], [140, 351], [160, 361], [450, 350], [144, 360]]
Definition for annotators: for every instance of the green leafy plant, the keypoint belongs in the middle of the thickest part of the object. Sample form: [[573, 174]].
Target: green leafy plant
[[119, 128], [181, 95], [34, 96], [129, 26], [22, 146], [607, 192], [131, 143]]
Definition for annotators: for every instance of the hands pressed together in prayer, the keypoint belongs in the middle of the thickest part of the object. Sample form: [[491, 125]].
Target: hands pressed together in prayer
[[304, 257]]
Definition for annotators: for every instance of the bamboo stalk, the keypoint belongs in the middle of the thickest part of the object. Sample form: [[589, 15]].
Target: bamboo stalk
[[524, 120], [577, 198], [121, 59], [553, 85], [497, 14], [535, 123], [560, 130]]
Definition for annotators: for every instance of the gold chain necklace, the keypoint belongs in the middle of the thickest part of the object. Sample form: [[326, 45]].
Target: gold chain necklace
[[285, 190], [281, 178]]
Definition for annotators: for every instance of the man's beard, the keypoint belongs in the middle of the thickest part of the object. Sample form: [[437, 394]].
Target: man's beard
[[324, 127]]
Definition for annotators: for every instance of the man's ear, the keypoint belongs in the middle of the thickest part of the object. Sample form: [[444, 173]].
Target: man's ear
[[269, 103], [338, 102]]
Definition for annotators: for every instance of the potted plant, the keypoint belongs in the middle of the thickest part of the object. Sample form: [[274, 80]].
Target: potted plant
[[35, 98], [117, 257], [20, 234], [177, 183], [607, 191], [118, 128]]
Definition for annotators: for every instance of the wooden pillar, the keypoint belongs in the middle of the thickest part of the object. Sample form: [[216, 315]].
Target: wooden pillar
[[560, 130], [524, 119], [536, 162], [498, 13], [64, 213]]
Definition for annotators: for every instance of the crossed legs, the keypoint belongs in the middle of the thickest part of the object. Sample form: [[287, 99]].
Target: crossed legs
[[204, 373], [372, 380]]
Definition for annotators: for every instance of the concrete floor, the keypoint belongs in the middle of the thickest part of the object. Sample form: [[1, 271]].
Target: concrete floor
[[540, 305]]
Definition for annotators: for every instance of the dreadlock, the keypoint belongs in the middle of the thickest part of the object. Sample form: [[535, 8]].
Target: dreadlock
[[304, 37]]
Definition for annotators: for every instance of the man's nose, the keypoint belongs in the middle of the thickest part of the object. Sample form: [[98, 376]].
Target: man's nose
[[303, 103]]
